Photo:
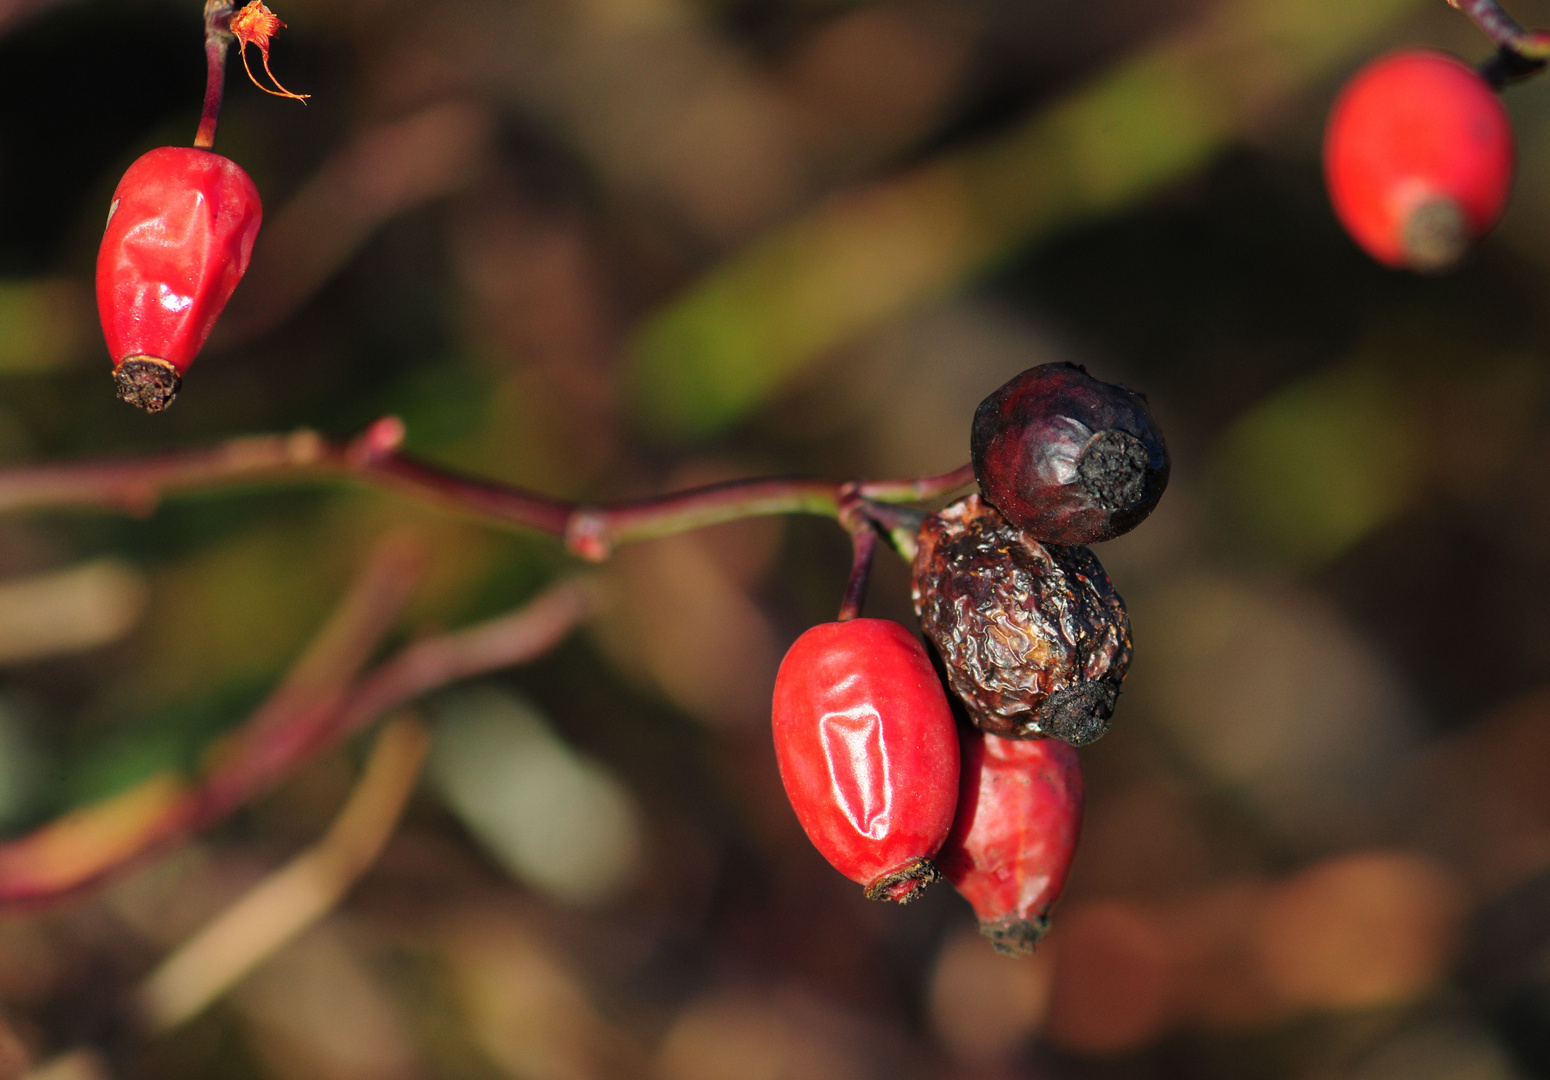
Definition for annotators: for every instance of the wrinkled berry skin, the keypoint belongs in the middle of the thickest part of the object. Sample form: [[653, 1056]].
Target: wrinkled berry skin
[[1018, 820], [868, 752], [1068, 458], [1033, 636], [1418, 159], [180, 232]]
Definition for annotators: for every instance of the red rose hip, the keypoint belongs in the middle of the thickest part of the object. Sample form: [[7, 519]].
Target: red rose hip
[[1019, 816], [868, 752], [1418, 159], [179, 235]]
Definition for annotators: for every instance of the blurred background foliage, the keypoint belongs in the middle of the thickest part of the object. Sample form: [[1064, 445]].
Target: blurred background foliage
[[610, 247]]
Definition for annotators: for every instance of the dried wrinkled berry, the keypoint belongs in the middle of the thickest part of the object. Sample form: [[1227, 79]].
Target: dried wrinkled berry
[[1034, 638]]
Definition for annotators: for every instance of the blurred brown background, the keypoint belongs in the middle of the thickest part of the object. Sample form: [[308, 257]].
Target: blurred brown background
[[609, 247]]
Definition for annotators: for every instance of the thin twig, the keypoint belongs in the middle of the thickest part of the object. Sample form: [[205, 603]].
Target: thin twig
[[294, 897], [137, 484], [1504, 30], [88, 845], [77, 849]]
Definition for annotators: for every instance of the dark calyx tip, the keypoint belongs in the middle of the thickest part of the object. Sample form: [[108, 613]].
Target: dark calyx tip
[[1079, 714], [906, 883], [1012, 936], [147, 383], [1112, 470], [1436, 236]]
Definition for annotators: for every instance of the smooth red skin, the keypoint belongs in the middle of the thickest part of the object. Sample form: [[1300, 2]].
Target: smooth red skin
[[1408, 128], [179, 235], [866, 745], [1019, 816]]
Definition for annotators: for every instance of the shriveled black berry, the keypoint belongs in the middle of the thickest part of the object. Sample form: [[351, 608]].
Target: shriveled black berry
[[1068, 458], [1034, 639]]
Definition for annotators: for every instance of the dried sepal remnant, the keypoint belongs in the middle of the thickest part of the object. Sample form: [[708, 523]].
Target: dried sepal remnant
[[1034, 638], [255, 25]]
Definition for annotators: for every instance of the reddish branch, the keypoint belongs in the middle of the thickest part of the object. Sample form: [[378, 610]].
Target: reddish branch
[[1502, 29], [323, 701], [217, 38], [136, 484], [326, 698]]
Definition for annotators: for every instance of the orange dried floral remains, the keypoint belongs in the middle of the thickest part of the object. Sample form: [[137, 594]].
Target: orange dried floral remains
[[255, 25]]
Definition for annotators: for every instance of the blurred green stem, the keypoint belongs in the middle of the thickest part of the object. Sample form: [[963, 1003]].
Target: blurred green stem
[[326, 699], [875, 252], [137, 484]]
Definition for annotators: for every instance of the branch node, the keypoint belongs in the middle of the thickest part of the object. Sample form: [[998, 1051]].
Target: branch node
[[377, 443], [586, 534]]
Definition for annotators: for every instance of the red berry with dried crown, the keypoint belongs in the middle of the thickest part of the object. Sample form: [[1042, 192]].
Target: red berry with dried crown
[[868, 752], [180, 232], [1418, 158], [1068, 458], [1010, 849]]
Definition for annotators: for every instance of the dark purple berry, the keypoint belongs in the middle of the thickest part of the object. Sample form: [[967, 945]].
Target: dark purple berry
[[1067, 458]]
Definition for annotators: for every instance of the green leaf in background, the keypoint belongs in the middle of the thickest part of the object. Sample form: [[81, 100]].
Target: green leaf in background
[[717, 352], [46, 324], [1311, 470]]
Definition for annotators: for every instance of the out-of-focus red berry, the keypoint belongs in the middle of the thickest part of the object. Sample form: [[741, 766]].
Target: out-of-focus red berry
[[1010, 849], [1068, 458], [180, 231], [868, 752], [1418, 158]]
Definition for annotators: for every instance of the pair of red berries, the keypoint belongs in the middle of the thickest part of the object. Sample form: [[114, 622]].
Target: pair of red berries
[[889, 791], [1034, 644], [1418, 159]]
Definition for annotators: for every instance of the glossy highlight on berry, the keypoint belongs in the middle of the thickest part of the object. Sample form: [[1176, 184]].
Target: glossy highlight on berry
[[868, 752], [1018, 820], [179, 236], [1068, 458], [1418, 159]]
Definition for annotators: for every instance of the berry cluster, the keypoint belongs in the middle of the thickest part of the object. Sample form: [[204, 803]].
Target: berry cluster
[[1419, 152], [895, 782]]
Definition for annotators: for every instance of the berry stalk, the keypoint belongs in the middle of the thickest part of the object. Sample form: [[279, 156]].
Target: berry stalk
[[1503, 29], [863, 544], [217, 37]]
